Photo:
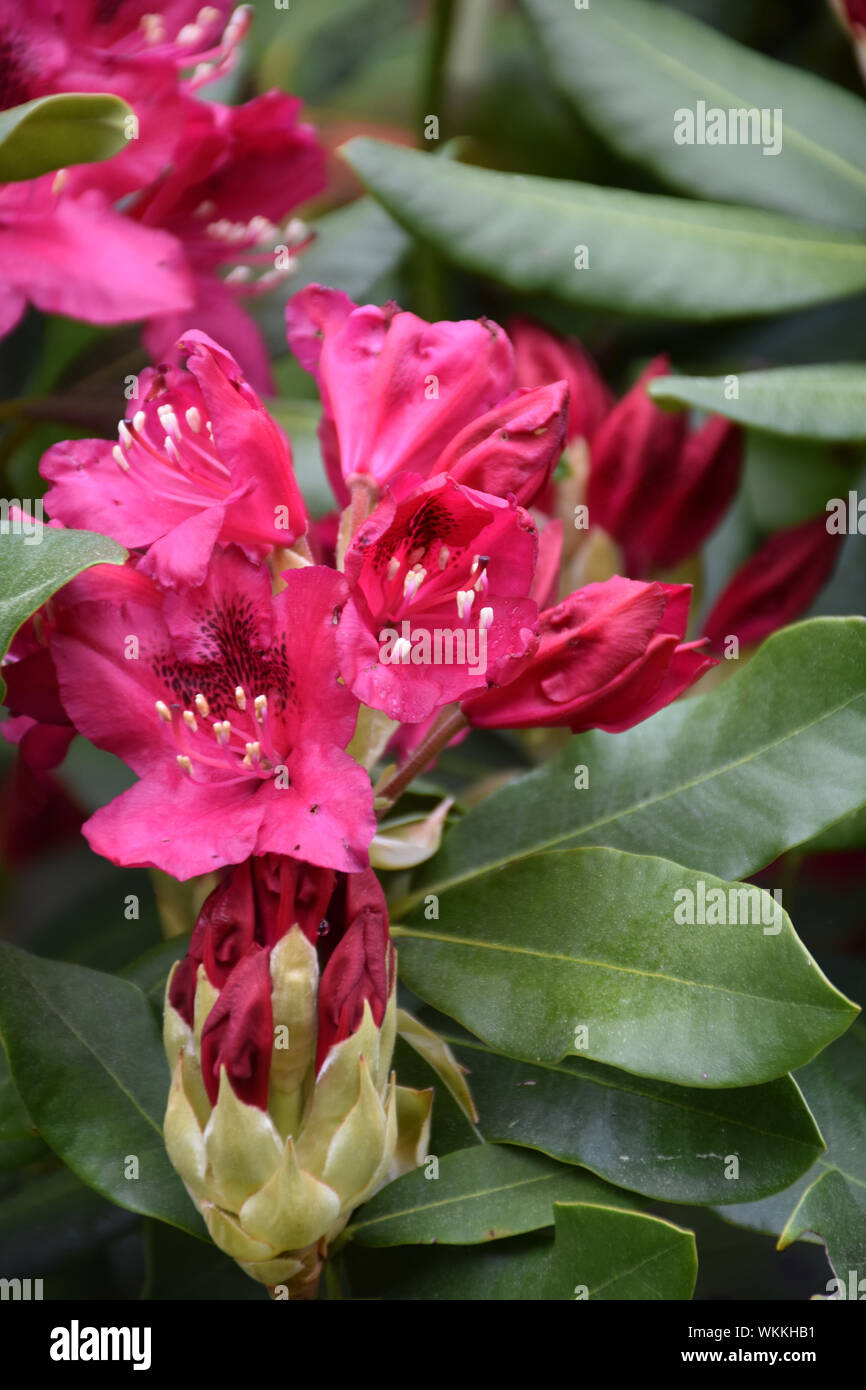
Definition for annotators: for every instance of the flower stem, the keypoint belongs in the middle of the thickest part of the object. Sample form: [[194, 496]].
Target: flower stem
[[450, 721]]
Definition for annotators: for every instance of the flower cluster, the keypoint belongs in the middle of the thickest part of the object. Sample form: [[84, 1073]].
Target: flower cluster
[[200, 188], [643, 491], [252, 671]]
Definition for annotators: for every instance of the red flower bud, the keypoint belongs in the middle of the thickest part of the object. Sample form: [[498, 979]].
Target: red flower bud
[[541, 357], [776, 585], [608, 656], [653, 486], [360, 960], [239, 1032]]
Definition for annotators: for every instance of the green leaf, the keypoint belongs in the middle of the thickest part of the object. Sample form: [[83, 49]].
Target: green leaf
[[614, 1254], [55, 132], [629, 67], [672, 1143], [587, 940], [479, 1194], [647, 255], [181, 1268], [51, 1220], [86, 1056], [599, 1252], [35, 564], [725, 781], [831, 1201], [821, 402]]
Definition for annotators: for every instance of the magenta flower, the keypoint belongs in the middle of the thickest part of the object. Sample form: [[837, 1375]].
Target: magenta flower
[[76, 256], [226, 702], [540, 357], [199, 461], [395, 390], [439, 577], [608, 656], [235, 173]]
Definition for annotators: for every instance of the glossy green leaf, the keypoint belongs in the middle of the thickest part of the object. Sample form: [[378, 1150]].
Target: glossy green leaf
[[86, 1056], [580, 950], [673, 1143], [599, 1252], [725, 781], [57, 131], [831, 1200], [51, 1220], [646, 254], [629, 66], [820, 402], [36, 561], [478, 1194]]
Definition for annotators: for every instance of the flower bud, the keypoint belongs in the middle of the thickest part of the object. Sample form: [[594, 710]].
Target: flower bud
[[280, 1022]]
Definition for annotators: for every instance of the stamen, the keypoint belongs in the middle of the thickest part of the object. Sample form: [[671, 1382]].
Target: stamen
[[413, 581], [139, 420], [402, 648], [416, 554], [465, 600], [240, 697], [485, 618], [171, 449], [124, 436], [444, 556], [222, 729], [163, 711], [190, 720], [393, 567], [193, 419], [117, 455], [202, 706], [261, 707], [168, 420], [184, 761]]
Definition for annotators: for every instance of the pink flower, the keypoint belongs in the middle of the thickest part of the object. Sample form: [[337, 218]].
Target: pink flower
[[238, 1033], [76, 256], [236, 172], [776, 585], [438, 579], [608, 656], [395, 390], [199, 461], [226, 702], [658, 488], [541, 357]]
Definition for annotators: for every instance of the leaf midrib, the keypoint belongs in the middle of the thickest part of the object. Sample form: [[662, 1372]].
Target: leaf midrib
[[701, 83], [417, 933], [462, 1197]]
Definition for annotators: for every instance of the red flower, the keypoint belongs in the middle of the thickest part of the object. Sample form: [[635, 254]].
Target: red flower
[[438, 583], [239, 1032], [776, 585], [541, 357], [658, 488], [608, 657], [226, 702]]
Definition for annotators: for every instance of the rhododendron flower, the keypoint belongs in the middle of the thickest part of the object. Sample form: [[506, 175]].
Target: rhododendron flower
[[541, 357], [438, 583], [76, 256], [236, 172], [608, 657], [395, 390], [776, 585], [199, 461], [283, 1114], [82, 46], [656, 486], [227, 703]]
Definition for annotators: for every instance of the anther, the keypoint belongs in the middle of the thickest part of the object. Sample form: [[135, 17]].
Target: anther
[[240, 697], [117, 455], [190, 720], [261, 707], [184, 762], [202, 706], [163, 711]]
